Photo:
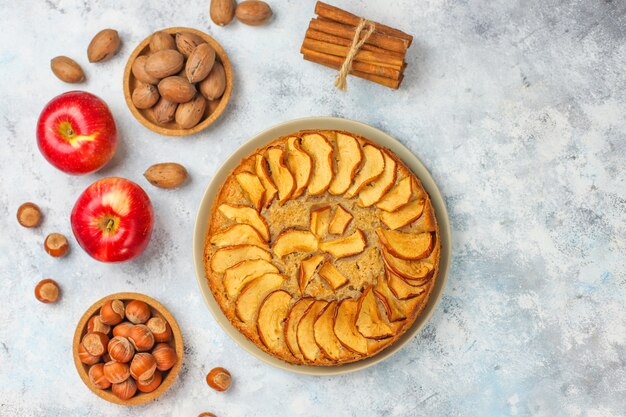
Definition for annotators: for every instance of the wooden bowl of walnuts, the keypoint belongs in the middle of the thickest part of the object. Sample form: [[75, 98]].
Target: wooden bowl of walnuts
[[178, 81], [128, 349]]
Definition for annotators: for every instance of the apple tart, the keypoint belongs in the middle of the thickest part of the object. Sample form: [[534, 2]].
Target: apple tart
[[322, 248]]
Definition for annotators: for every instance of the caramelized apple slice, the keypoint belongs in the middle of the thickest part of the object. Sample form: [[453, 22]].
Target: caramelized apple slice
[[384, 294], [300, 165], [368, 319], [246, 215], [373, 192], [307, 269], [291, 325], [272, 315], [410, 270], [332, 276], [292, 240], [406, 245], [253, 294], [345, 246], [228, 256], [237, 276], [280, 174], [321, 151], [398, 196], [345, 327], [253, 188], [371, 169], [324, 334], [400, 289], [238, 234], [260, 165], [349, 158], [426, 222], [320, 219], [305, 335], [340, 221], [403, 216]]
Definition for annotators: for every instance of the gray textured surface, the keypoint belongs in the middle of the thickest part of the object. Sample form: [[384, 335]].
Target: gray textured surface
[[518, 109]]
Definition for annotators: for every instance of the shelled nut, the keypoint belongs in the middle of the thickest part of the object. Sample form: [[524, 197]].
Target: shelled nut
[[120, 349], [85, 357], [96, 376], [165, 356], [160, 329], [150, 384], [56, 245], [143, 366], [137, 312], [125, 390], [116, 372], [47, 291], [95, 343], [123, 329], [29, 215], [219, 379], [141, 337], [112, 312]]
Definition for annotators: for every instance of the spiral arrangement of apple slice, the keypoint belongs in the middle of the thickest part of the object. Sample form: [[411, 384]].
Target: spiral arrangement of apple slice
[[290, 322]]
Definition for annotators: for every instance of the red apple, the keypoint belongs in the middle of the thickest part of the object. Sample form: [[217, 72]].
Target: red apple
[[112, 220], [76, 133]]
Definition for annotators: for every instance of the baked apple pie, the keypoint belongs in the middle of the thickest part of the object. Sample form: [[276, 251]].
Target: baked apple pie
[[322, 248]]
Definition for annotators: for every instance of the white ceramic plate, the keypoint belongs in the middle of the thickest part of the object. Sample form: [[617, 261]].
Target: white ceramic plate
[[329, 123]]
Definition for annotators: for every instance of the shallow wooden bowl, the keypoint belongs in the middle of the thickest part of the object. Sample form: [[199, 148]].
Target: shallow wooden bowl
[[146, 117], [157, 310]]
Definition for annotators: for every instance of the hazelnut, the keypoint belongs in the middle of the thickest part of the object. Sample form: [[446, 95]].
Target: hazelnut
[[29, 215], [116, 372], [122, 329], [85, 357], [160, 329], [56, 245], [120, 349], [206, 415], [143, 366], [165, 356], [96, 376], [95, 343], [151, 384], [47, 291], [112, 312], [95, 325], [125, 390], [219, 379], [141, 337], [137, 312]]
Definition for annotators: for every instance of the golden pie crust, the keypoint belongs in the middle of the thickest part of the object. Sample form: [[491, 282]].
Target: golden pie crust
[[322, 248]]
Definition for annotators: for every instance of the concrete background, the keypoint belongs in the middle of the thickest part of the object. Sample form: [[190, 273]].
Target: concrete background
[[517, 108]]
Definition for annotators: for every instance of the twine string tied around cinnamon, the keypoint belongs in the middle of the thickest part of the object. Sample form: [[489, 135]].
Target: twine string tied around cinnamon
[[357, 42]]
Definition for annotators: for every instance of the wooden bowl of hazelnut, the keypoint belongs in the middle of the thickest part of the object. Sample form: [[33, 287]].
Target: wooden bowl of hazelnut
[[128, 349], [178, 81]]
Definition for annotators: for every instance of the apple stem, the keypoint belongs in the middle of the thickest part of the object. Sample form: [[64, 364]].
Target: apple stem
[[109, 225]]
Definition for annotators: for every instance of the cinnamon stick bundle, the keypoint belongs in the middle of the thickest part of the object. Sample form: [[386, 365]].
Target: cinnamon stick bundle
[[376, 54]]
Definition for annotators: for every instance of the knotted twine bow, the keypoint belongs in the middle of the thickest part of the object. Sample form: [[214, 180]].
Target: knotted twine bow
[[340, 81]]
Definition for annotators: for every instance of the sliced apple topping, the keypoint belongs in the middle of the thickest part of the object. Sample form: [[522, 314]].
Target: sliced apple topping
[[239, 275], [305, 335], [253, 294], [345, 246], [238, 234], [308, 268], [272, 315], [345, 327], [324, 334], [246, 215], [292, 240], [398, 196], [369, 321], [320, 219], [349, 158], [399, 287], [410, 270], [340, 221], [403, 216], [389, 301], [373, 192], [228, 256], [426, 222], [300, 165], [260, 166], [371, 169], [332, 276], [280, 174], [321, 151], [253, 188], [291, 325], [409, 246]]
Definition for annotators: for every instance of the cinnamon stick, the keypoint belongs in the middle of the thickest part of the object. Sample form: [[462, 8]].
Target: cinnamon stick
[[358, 66], [385, 42], [361, 56], [325, 37], [387, 82], [338, 15]]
